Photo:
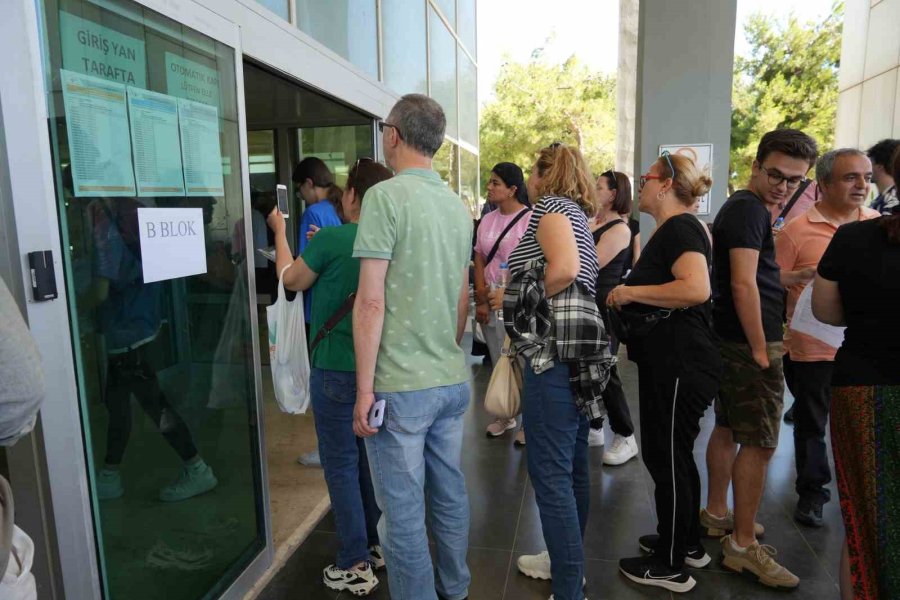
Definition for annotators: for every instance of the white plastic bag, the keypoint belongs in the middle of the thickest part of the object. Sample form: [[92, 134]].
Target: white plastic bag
[[288, 357], [18, 582]]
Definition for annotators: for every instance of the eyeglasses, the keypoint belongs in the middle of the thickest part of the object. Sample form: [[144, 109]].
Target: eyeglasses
[[383, 124], [645, 178], [776, 177]]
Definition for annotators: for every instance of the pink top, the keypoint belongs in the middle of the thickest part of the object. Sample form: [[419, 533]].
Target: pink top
[[492, 225]]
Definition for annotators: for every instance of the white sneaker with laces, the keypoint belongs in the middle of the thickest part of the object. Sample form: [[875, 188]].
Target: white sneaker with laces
[[596, 437], [359, 581], [620, 451], [536, 566]]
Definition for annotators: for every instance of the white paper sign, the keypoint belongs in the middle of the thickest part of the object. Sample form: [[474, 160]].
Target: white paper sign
[[172, 242], [805, 321]]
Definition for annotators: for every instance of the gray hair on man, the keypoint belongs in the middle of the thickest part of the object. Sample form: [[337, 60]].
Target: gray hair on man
[[825, 164], [421, 123]]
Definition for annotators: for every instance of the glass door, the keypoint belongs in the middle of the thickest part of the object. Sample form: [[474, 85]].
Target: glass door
[[145, 137]]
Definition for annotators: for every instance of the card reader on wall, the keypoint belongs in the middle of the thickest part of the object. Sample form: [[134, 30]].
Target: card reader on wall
[[43, 276]]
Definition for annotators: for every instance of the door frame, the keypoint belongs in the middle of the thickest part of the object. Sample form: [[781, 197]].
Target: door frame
[[36, 221]]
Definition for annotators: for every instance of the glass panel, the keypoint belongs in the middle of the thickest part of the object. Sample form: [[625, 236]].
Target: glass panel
[[261, 155], [442, 69], [346, 26], [279, 7], [469, 190], [468, 100], [144, 136], [339, 147], [448, 7], [446, 163], [465, 29], [403, 45]]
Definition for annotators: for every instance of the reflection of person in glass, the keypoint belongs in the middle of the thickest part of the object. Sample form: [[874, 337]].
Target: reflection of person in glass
[[129, 314]]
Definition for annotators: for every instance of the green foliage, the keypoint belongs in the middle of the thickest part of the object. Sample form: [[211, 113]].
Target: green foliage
[[788, 80], [537, 103]]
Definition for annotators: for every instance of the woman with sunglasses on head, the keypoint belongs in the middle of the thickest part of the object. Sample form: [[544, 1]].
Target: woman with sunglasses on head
[[558, 239], [328, 262], [612, 239], [665, 306]]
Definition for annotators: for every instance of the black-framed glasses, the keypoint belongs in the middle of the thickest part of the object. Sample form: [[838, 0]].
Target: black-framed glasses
[[611, 177], [665, 154], [383, 124], [776, 177]]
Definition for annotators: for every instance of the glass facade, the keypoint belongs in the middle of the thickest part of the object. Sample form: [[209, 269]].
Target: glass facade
[[442, 69], [466, 26], [468, 100], [145, 144], [349, 27], [405, 61], [279, 7]]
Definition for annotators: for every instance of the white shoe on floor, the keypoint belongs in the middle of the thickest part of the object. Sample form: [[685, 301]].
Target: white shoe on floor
[[536, 566], [376, 557], [359, 581], [620, 451], [596, 437]]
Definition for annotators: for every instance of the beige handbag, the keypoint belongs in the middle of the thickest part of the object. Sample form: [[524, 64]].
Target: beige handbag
[[504, 391]]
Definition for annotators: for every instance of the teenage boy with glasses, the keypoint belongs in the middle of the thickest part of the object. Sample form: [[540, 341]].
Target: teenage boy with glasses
[[748, 318]]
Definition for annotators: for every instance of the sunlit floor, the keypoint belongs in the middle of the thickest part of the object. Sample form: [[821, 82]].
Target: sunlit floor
[[505, 524]]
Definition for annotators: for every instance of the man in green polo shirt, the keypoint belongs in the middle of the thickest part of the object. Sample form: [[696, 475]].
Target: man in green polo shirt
[[414, 241]]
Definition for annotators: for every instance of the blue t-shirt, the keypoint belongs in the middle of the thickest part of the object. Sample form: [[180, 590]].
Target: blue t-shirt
[[320, 214]]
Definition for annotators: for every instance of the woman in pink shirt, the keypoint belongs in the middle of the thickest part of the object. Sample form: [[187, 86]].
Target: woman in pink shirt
[[506, 225]]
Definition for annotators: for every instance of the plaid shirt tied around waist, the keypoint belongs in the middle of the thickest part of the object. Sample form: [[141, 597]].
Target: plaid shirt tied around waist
[[567, 327]]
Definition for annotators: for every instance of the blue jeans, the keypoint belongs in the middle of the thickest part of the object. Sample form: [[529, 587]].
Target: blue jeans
[[345, 464], [556, 434], [415, 468]]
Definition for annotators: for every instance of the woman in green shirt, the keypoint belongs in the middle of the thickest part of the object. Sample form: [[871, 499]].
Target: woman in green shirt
[[328, 263]]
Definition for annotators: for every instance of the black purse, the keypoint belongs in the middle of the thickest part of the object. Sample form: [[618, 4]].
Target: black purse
[[628, 324]]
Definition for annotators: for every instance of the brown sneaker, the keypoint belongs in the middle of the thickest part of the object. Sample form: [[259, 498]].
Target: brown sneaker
[[520, 437], [758, 560], [715, 527], [500, 426]]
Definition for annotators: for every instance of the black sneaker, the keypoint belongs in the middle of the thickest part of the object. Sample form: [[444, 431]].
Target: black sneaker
[[808, 513], [649, 570], [789, 415], [696, 558]]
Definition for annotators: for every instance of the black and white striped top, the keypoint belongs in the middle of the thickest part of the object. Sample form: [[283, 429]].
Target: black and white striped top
[[529, 248]]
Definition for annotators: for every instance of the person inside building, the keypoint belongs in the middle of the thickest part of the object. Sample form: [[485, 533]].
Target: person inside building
[[678, 365], [881, 155], [614, 244], [415, 235], [497, 236], [863, 295], [748, 311], [844, 178], [328, 262]]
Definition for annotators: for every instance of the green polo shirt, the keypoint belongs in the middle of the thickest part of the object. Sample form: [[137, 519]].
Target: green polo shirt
[[418, 224]]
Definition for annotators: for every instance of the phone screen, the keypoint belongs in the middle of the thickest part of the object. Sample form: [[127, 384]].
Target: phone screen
[[281, 192]]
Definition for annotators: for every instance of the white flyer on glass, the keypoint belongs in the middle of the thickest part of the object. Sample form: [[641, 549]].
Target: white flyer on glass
[[173, 242], [200, 148], [804, 321]]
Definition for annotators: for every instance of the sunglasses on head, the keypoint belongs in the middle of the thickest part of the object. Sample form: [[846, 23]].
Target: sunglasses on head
[[611, 177]]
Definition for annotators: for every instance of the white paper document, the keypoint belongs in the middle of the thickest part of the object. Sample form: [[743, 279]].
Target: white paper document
[[173, 242], [154, 140], [804, 321], [200, 148]]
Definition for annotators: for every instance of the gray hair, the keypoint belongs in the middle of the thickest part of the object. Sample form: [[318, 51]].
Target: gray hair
[[825, 164], [421, 123]]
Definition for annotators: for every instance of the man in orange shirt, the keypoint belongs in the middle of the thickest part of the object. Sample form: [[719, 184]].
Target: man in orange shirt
[[844, 177]]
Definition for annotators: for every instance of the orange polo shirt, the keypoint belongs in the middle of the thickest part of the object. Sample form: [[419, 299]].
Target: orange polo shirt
[[800, 245]]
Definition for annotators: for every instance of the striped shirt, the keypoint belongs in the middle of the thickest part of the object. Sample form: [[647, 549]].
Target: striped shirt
[[529, 248]]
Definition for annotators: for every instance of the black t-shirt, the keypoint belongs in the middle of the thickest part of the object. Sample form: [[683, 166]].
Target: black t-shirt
[[867, 270], [685, 340], [744, 222]]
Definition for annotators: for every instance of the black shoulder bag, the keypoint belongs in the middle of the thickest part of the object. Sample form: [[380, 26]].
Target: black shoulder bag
[[794, 198], [332, 322], [502, 235]]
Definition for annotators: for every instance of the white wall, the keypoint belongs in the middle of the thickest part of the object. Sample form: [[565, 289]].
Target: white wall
[[869, 82]]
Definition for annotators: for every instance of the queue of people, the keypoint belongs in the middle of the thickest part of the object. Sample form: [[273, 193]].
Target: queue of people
[[560, 278]]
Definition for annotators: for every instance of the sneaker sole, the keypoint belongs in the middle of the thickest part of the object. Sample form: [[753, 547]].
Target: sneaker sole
[[533, 574], [672, 586], [735, 566], [340, 587], [615, 462], [694, 563], [719, 533], [493, 435]]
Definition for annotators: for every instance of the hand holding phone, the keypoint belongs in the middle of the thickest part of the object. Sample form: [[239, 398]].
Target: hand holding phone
[[282, 196], [376, 414]]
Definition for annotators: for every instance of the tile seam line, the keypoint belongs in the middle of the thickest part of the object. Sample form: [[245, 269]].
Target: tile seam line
[[515, 537]]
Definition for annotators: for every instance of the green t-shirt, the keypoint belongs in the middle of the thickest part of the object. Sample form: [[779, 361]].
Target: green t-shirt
[[330, 254], [424, 230]]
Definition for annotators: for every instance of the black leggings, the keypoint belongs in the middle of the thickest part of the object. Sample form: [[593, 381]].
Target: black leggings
[[614, 396], [130, 374]]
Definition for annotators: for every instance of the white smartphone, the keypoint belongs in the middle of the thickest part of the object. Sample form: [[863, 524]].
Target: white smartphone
[[281, 193], [376, 414]]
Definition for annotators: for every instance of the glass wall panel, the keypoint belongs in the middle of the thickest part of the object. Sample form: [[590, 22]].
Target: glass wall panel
[[469, 187], [448, 7], [465, 28], [442, 69], [145, 144], [403, 44], [446, 163], [468, 100], [349, 27], [279, 7]]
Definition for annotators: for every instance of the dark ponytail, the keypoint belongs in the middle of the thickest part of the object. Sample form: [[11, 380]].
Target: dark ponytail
[[511, 175]]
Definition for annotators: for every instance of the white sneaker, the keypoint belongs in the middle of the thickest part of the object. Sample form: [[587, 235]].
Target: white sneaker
[[536, 566], [359, 581], [376, 557], [620, 451], [596, 437]]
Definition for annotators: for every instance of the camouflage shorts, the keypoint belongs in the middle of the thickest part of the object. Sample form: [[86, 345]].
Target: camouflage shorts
[[750, 398]]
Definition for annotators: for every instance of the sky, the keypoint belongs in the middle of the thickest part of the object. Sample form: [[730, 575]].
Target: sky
[[586, 28]]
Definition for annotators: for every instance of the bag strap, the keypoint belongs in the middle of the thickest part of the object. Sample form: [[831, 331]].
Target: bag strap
[[332, 322], [512, 224], [794, 198]]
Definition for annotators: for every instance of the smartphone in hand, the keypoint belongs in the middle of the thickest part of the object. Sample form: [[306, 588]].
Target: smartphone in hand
[[282, 195], [376, 414]]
